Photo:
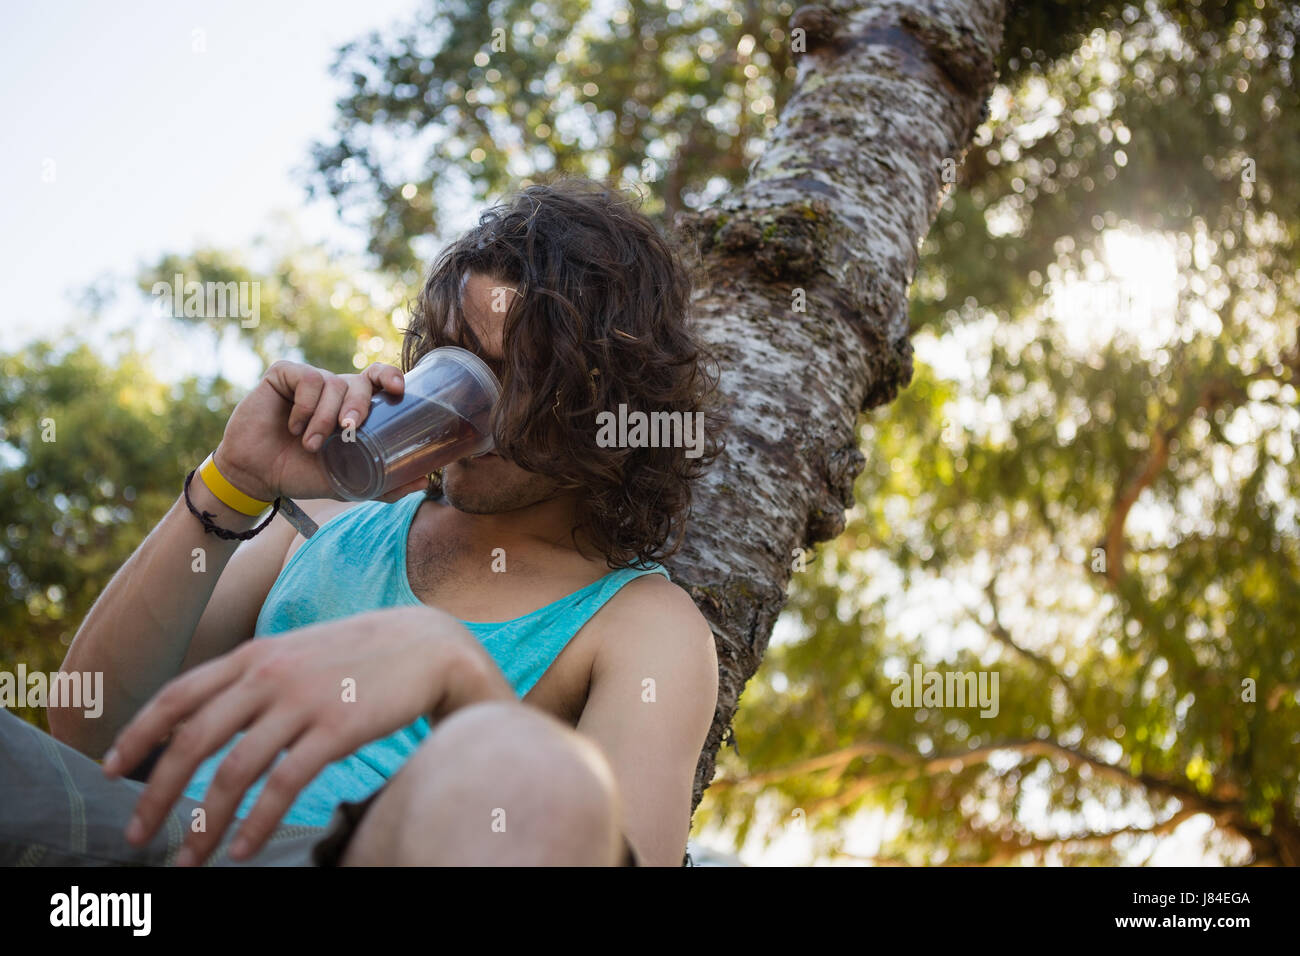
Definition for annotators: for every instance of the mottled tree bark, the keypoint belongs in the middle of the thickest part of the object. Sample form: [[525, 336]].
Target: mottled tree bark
[[831, 219]]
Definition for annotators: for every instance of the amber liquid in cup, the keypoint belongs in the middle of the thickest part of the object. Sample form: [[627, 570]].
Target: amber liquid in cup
[[405, 438]]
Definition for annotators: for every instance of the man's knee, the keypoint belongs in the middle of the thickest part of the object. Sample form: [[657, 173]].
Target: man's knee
[[522, 751], [497, 783]]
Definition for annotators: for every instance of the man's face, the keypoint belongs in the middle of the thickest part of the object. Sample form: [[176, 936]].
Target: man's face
[[490, 484]]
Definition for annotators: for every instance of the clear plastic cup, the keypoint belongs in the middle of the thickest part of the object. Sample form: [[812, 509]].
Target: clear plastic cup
[[443, 416]]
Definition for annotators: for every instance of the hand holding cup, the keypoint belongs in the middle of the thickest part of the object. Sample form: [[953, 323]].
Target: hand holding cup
[[271, 442]]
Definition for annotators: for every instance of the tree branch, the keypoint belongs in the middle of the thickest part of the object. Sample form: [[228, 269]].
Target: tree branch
[[918, 765], [1212, 394], [999, 632], [1014, 847]]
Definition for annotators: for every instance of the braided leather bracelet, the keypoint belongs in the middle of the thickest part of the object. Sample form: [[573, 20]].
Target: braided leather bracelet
[[206, 517]]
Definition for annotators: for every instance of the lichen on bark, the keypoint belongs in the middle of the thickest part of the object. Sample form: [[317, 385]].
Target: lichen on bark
[[802, 292]]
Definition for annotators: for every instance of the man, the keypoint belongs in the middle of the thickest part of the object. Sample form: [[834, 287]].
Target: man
[[376, 718]]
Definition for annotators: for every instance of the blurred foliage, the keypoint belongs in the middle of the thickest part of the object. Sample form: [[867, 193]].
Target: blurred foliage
[[329, 315], [75, 504], [477, 97], [1088, 489], [100, 451], [670, 97]]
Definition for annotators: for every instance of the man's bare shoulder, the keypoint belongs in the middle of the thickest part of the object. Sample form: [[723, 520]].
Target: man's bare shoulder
[[653, 610], [319, 510], [649, 589], [322, 509]]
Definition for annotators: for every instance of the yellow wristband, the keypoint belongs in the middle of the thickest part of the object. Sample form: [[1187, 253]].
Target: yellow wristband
[[227, 493]]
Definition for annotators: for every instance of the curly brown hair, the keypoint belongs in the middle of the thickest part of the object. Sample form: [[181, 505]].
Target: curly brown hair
[[600, 320]]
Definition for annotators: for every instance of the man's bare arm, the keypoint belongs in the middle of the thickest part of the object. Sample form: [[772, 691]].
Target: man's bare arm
[[654, 689], [140, 630], [284, 695], [138, 633]]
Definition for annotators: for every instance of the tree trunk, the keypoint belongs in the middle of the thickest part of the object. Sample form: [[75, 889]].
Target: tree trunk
[[802, 292]]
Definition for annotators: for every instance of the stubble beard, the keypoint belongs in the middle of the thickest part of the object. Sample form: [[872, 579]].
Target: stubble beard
[[494, 486]]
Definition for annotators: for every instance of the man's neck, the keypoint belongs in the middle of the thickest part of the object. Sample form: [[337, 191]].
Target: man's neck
[[546, 523]]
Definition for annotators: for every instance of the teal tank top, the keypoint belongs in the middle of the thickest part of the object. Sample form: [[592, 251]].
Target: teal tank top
[[356, 562]]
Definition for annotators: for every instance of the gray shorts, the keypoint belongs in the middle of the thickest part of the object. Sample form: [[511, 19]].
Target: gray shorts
[[58, 809]]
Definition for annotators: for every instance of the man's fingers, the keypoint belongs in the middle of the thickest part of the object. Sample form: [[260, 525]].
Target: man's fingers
[[377, 377], [255, 751], [168, 707], [311, 391], [298, 384], [305, 759], [356, 404], [282, 375], [306, 384], [385, 377], [204, 734], [321, 425]]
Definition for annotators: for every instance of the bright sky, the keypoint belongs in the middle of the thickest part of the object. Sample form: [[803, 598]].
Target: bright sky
[[134, 131]]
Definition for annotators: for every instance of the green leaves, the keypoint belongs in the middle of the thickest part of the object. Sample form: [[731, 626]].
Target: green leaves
[[673, 99], [1089, 485], [94, 455]]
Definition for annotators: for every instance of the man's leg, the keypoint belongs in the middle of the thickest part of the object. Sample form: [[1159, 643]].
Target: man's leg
[[497, 783], [58, 809]]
